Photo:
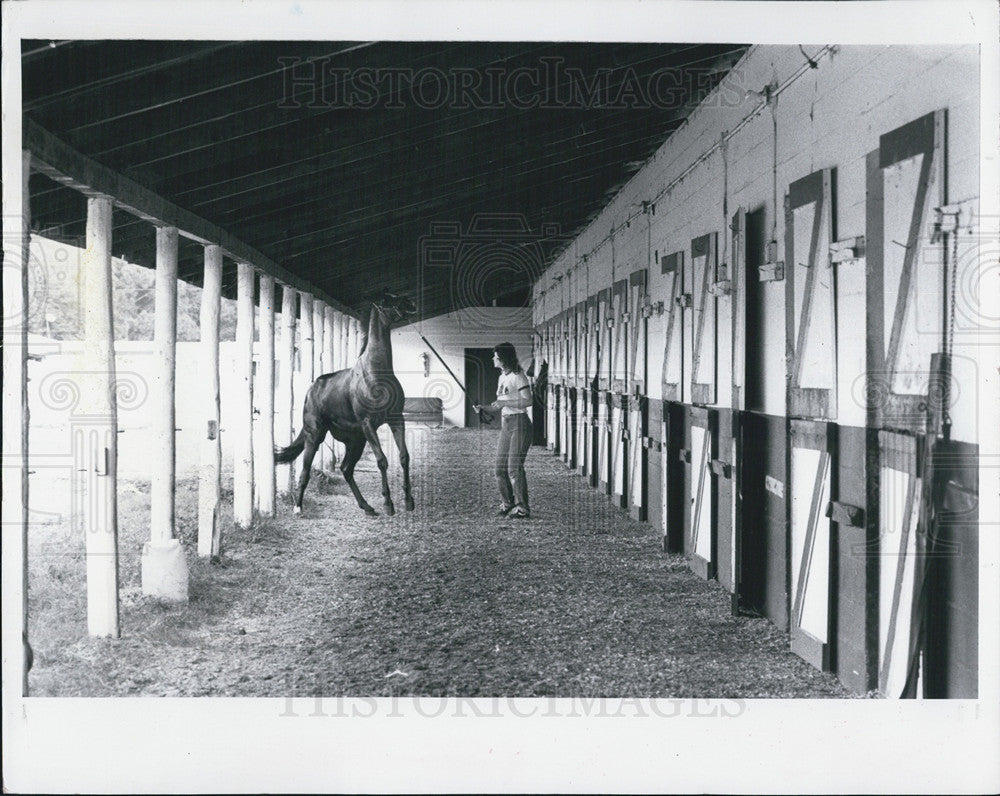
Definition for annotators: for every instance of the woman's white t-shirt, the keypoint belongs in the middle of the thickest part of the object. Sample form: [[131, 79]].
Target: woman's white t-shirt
[[513, 385]]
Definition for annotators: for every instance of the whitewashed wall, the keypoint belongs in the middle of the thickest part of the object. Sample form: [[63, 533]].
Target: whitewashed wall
[[451, 334], [831, 116]]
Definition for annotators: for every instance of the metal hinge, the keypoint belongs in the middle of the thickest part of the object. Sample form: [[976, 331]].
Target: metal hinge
[[771, 272], [683, 300], [723, 287], [849, 250]]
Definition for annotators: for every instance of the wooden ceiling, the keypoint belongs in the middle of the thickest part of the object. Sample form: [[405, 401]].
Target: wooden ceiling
[[450, 171]]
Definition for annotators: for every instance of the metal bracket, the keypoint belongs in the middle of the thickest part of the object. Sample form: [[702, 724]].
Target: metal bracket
[[649, 310], [626, 434], [721, 468], [774, 486], [723, 287], [846, 514], [683, 301], [684, 455], [949, 219], [626, 317], [849, 250], [771, 272], [611, 323]]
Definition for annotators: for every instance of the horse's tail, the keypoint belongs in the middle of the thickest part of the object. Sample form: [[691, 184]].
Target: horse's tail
[[285, 455]]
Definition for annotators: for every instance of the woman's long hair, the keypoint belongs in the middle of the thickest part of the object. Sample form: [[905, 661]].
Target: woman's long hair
[[507, 355]]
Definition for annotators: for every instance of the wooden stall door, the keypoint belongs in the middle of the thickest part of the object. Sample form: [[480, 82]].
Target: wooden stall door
[[638, 439], [906, 281], [810, 323], [811, 536], [702, 319], [603, 399], [672, 268], [701, 526], [619, 398]]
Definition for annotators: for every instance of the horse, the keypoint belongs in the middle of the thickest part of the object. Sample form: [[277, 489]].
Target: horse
[[351, 404]]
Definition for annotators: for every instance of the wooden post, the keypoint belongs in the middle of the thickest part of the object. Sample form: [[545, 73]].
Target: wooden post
[[14, 505], [305, 356], [243, 421], [333, 447], [210, 469], [319, 333], [264, 389], [97, 434], [338, 341], [287, 407], [164, 567], [348, 343]]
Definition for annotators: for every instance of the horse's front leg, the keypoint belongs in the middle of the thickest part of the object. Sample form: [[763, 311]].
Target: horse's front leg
[[381, 461], [398, 427]]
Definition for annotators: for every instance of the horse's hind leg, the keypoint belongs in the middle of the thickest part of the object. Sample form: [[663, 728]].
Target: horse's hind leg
[[313, 440], [398, 428], [381, 461], [353, 449]]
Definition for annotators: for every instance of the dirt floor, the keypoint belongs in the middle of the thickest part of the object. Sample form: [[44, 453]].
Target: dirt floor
[[448, 600]]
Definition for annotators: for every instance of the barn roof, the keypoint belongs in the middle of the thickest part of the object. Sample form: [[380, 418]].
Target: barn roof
[[356, 166]]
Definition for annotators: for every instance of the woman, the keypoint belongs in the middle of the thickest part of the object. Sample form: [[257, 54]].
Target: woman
[[513, 400]]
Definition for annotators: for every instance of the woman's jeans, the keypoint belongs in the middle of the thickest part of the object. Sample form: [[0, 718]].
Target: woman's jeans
[[515, 439]]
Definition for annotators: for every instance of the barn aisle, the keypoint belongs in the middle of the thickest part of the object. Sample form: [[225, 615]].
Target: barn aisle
[[449, 600]]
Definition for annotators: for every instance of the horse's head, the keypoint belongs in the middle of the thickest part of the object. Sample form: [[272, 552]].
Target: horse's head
[[392, 307]]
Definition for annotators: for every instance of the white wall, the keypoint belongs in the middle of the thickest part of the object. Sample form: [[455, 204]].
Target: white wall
[[451, 334], [831, 116]]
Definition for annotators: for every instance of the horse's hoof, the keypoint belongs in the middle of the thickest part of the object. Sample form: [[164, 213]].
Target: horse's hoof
[[409, 504], [389, 509], [371, 512], [297, 510]]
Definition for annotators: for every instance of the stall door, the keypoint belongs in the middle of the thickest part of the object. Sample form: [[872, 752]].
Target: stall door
[[552, 400], [810, 529], [603, 399], [702, 319], [619, 399], [700, 543], [906, 280], [738, 274], [900, 486], [810, 325], [672, 268], [592, 331], [638, 438], [582, 388]]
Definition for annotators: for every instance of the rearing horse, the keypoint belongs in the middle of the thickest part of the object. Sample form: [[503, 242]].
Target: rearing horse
[[351, 404]]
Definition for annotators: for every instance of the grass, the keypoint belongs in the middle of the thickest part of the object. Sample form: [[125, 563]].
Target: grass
[[448, 600]]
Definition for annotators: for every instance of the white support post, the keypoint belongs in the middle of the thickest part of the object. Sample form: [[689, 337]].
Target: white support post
[[14, 505], [243, 421], [164, 566], [305, 357], [349, 357], [210, 467], [335, 347], [286, 404], [97, 436], [355, 339], [335, 452], [319, 332], [264, 389]]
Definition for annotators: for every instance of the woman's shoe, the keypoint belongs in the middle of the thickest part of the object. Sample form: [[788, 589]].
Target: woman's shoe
[[520, 512], [503, 511]]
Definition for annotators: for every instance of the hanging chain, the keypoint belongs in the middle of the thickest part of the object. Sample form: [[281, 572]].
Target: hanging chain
[[949, 342]]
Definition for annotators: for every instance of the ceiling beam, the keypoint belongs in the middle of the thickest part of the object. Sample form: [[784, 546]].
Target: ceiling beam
[[62, 163]]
